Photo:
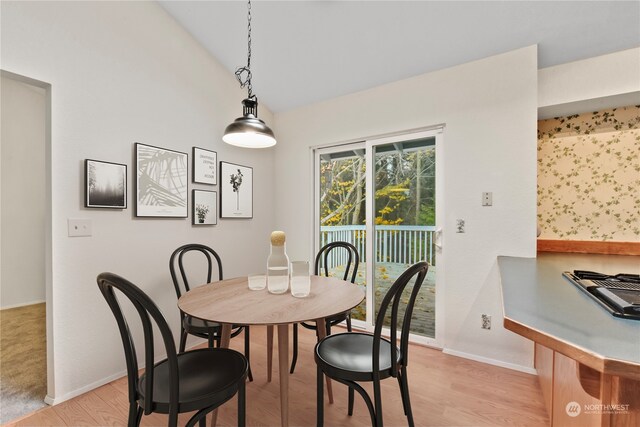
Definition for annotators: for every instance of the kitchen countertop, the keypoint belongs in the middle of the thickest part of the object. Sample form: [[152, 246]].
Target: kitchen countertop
[[540, 304]]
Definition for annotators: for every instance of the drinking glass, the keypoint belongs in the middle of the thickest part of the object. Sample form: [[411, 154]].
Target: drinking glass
[[300, 280], [257, 282]]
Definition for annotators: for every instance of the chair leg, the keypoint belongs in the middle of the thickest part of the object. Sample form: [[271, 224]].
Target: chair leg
[[173, 419], [183, 339], [367, 400], [319, 398], [135, 415], [405, 396], [202, 422], [377, 395], [294, 359], [247, 342], [404, 401], [242, 403], [210, 339], [351, 396], [349, 322]]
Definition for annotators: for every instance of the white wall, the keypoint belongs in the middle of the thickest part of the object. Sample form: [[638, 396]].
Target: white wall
[[125, 72], [489, 108], [23, 193], [591, 84], [613, 74]]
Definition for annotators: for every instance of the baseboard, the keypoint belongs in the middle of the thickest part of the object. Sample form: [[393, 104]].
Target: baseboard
[[24, 304], [495, 362], [77, 392], [82, 390]]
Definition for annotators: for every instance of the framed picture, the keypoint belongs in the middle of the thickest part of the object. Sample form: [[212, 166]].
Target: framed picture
[[205, 210], [204, 166], [105, 185], [161, 182], [236, 191]]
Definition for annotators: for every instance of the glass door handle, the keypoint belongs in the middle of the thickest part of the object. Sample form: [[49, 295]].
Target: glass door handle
[[437, 241]]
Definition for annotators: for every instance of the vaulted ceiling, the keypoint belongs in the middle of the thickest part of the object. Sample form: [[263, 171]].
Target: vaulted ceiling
[[308, 51]]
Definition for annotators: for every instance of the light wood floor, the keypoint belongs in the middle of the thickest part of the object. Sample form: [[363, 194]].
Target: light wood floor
[[445, 391]]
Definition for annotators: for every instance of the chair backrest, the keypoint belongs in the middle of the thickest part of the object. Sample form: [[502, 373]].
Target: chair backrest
[[149, 314], [393, 299], [352, 257], [176, 262]]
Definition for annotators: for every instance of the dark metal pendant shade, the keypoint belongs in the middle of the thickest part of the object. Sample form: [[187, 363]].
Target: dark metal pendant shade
[[249, 131]]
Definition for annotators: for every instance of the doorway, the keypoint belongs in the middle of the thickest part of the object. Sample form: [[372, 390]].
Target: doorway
[[25, 245], [383, 195]]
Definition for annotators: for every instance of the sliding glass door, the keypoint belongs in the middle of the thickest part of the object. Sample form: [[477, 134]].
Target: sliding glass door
[[381, 195], [340, 210]]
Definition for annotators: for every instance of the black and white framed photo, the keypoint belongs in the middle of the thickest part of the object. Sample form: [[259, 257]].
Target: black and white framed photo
[[205, 163], [236, 191], [205, 210], [105, 184], [161, 182]]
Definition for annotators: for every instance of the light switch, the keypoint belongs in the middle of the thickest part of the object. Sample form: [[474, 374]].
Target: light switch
[[487, 199], [79, 227]]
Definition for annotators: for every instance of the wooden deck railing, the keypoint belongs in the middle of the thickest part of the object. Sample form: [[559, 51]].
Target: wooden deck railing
[[403, 244]]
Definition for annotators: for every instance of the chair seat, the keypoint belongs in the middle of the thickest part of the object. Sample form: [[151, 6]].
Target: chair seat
[[193, 325], [332, 320], [348, 356], [200, 378], [202, 328]]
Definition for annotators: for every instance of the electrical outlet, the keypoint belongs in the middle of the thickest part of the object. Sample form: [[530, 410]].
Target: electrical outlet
[[486, 321], [459, 225], [487, 199]]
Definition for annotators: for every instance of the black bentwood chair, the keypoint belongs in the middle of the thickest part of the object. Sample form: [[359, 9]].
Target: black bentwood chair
[[191, 325], [198, 380], [353, 357], [323, 255]]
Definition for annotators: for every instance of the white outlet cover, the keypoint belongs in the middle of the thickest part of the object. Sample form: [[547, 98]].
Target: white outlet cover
[[79, 227]]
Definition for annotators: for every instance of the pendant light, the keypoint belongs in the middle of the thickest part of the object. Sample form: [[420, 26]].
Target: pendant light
[[248, 131]]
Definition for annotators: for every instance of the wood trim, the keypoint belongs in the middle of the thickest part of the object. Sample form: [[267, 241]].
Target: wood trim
[[589, 247], [581, 355]]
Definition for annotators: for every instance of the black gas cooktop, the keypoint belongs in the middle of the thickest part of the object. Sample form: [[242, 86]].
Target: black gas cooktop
[[619, 294]]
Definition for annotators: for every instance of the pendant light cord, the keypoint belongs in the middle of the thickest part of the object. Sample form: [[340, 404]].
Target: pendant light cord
[[243, 74]]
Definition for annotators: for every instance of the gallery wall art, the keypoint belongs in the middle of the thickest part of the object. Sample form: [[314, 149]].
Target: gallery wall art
[[161, 182], [236, 191], [205, 164], [204, 207], [105, 184]]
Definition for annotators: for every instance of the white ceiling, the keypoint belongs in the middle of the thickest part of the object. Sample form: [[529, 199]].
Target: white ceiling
[[308, 51]]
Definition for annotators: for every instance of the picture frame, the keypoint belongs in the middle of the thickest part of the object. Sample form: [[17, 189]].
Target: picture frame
[[205, 209], [161, 182], [205, 163], [105, 184], [236, 191]]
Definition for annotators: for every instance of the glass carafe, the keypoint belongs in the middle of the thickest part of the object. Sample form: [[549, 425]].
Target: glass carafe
[[278, 265]]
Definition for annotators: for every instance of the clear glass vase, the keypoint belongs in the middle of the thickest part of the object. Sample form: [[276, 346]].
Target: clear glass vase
[[278, 265]]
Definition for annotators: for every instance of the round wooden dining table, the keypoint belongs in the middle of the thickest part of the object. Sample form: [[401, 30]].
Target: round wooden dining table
[[231, 302]]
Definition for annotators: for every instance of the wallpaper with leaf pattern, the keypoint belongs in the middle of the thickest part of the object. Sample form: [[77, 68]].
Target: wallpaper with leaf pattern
[[589, 176]]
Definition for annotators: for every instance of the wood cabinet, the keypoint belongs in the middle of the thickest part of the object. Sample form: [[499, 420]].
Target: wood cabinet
[[576, 395]]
